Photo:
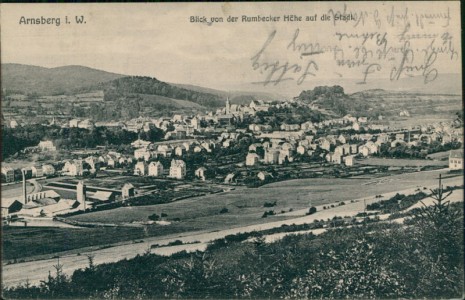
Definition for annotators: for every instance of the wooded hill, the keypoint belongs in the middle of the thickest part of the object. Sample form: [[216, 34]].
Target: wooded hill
[[334, 99], [121, 87], [40, 81]]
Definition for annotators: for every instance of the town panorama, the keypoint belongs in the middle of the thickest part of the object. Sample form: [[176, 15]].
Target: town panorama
[[124, 185]]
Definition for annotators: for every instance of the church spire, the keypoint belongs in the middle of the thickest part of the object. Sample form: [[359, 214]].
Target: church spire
[[228, 106]]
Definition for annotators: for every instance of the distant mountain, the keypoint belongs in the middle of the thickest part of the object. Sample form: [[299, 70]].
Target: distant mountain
[[236, 97], [69, 80], [380, 102], [445, 83], [33, 80]]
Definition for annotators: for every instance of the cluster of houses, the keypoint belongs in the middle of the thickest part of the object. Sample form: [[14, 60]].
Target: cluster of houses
[[146, 150], [278, 144], [146, 153], [282, 146], [10, 174]]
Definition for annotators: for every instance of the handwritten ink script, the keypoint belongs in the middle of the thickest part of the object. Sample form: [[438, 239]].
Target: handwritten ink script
[[365, 44]]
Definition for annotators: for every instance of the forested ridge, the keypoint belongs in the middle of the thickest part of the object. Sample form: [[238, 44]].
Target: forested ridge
[[152, 86]]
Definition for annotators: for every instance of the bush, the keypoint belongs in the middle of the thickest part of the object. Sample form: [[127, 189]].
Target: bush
[[269, 204], [175, 243], [224, 210], [154, 217], [312, 210], [268, 213]]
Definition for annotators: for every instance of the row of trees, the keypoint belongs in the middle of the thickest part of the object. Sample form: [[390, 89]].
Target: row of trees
[[421, 260], [16, 139], [421, 151]]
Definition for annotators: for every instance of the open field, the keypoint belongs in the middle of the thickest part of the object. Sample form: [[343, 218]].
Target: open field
[[245, 206], [41, 242]]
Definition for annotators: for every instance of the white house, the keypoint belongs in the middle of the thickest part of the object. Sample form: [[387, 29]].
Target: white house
[[48, 170], [128, 191], [271, 156], [75, 168], [301, 150], [140, 168], [349, 160], [200, 173], [364, 150], [334, 157], [456, 160], [197, 149], [10, 206], [47, 146], [9, 174], [325, 144], [263, 175], [283, 156], [251, 159], [111, 161], [155, 169], [37, 171], [179, 150], [339, 150], [353, 148], [177, 169], [142, 153]]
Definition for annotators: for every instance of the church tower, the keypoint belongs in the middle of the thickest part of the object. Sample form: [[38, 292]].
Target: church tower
[[228, 106]]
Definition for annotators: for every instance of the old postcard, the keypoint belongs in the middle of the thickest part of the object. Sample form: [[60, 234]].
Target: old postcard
[[291, 150]]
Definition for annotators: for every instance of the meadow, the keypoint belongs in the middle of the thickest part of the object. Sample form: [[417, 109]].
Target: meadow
[[246, 206]]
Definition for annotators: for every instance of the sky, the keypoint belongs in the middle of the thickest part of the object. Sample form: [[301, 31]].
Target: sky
[[158, 40]]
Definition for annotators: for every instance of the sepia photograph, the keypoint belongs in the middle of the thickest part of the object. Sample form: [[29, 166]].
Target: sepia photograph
[[231, 150]]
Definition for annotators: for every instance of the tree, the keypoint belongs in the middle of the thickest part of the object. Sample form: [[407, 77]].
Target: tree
[[312, 210], [439, 237]]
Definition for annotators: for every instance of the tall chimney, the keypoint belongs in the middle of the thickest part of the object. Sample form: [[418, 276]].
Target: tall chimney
[[23, 173], [81, 194]]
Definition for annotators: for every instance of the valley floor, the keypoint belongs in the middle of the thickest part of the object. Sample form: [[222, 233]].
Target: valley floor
[[361, 191]]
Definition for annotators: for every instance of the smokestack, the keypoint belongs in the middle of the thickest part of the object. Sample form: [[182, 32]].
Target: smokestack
[[81, 194], [23, 173]]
